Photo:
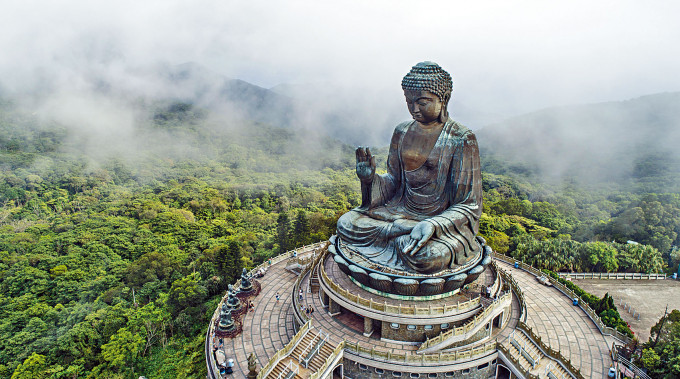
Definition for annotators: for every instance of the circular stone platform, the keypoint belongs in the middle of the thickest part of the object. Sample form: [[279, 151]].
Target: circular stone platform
[[388, 282]]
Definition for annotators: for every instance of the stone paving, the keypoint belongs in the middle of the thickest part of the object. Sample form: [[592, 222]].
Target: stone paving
[[503, 334], [269, 326], [562, 325], [345, 326]]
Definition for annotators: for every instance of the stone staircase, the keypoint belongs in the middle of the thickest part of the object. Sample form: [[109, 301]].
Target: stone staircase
[[314, 279], [286, 369], [312, 350], [531, 359]]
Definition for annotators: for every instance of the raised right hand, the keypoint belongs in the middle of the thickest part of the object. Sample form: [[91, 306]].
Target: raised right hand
[[365, 164]]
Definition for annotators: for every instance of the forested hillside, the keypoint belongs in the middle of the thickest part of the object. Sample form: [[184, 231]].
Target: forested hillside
[[115, 251], [110, 267], [632, 143]]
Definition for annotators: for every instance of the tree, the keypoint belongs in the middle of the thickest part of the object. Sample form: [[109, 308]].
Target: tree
[[601, 256], [301, 229], [186, 294], [151, 321], [650, 359], [283, 237], [228, 260], [123, 348], [33, 367], [150, 267]]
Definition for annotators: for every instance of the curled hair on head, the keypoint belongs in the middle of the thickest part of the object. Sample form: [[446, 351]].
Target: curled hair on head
[[429, 76]]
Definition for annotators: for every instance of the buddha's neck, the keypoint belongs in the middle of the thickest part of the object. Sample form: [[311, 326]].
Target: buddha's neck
[[431, 127]]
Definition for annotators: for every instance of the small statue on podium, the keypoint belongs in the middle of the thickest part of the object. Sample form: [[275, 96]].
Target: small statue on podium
[[246, 284], [252, 374]]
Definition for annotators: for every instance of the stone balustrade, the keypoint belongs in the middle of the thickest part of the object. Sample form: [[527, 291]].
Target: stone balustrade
[[337, 354], [285, 351], [611, 275], [397, 310], [310, 263], [549, 351], [470, 327], [604, 329], [213, 370], [442, 357], [515, 361]]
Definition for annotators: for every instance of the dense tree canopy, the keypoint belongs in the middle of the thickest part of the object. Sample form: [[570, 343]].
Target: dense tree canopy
[[110, 266]]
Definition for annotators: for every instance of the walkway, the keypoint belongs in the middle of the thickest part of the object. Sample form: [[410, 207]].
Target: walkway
[[346, 326], [562, 325], [268, 327], [351, 327]]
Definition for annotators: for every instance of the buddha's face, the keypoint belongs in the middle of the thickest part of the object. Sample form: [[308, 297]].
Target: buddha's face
[[424, 106]]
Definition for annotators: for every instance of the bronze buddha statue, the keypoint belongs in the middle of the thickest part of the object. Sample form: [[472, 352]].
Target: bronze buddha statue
[[422, 216]]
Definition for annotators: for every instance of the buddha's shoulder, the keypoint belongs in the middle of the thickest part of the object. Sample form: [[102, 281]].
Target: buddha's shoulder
[[402, 127], [460, 131]]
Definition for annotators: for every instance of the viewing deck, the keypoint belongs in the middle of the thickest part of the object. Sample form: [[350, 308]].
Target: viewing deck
[[271, 324]]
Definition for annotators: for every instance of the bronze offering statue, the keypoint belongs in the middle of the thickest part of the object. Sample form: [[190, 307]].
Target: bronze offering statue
[[422, 216], [252, 366]]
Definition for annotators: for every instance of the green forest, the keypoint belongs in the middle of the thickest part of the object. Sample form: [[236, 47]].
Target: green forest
[[111, 264]]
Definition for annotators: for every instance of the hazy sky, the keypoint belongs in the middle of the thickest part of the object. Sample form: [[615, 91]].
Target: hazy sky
[[505, 56]]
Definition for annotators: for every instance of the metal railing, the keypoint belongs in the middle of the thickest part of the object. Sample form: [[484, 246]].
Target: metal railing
[[617, 356], [556, 355], [551, 372], [329, 361], [514, 361], [306, 356], [381, 355], [611, 275], [291, 368], [520, 344]]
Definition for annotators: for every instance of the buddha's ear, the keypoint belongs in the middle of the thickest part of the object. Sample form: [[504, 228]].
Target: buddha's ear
[[444, 113]]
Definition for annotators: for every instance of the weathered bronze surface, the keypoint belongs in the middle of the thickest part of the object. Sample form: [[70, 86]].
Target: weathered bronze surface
[[423, 214]]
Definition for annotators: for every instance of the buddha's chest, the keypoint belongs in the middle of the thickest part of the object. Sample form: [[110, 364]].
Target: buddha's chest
[[417, 149]]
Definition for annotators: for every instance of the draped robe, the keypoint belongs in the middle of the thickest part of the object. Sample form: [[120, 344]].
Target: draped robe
[[445, 191]]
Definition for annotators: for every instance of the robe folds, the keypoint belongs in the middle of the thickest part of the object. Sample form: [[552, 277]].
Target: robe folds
[[445, 191]]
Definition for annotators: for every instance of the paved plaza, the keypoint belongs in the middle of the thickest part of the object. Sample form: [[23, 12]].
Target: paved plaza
[[562, 325], [269, 326]]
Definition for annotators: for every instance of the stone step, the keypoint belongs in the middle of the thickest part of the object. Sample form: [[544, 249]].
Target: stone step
[[320, 359], [528, 345], [519, 357], [306, 340], [280, 367], [556, 369]]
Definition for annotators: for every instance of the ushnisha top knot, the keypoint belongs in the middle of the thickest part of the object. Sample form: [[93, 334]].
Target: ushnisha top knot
[[428, 76]]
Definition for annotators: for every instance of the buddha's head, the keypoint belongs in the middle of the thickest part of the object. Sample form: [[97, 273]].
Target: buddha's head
[[427, 88]]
